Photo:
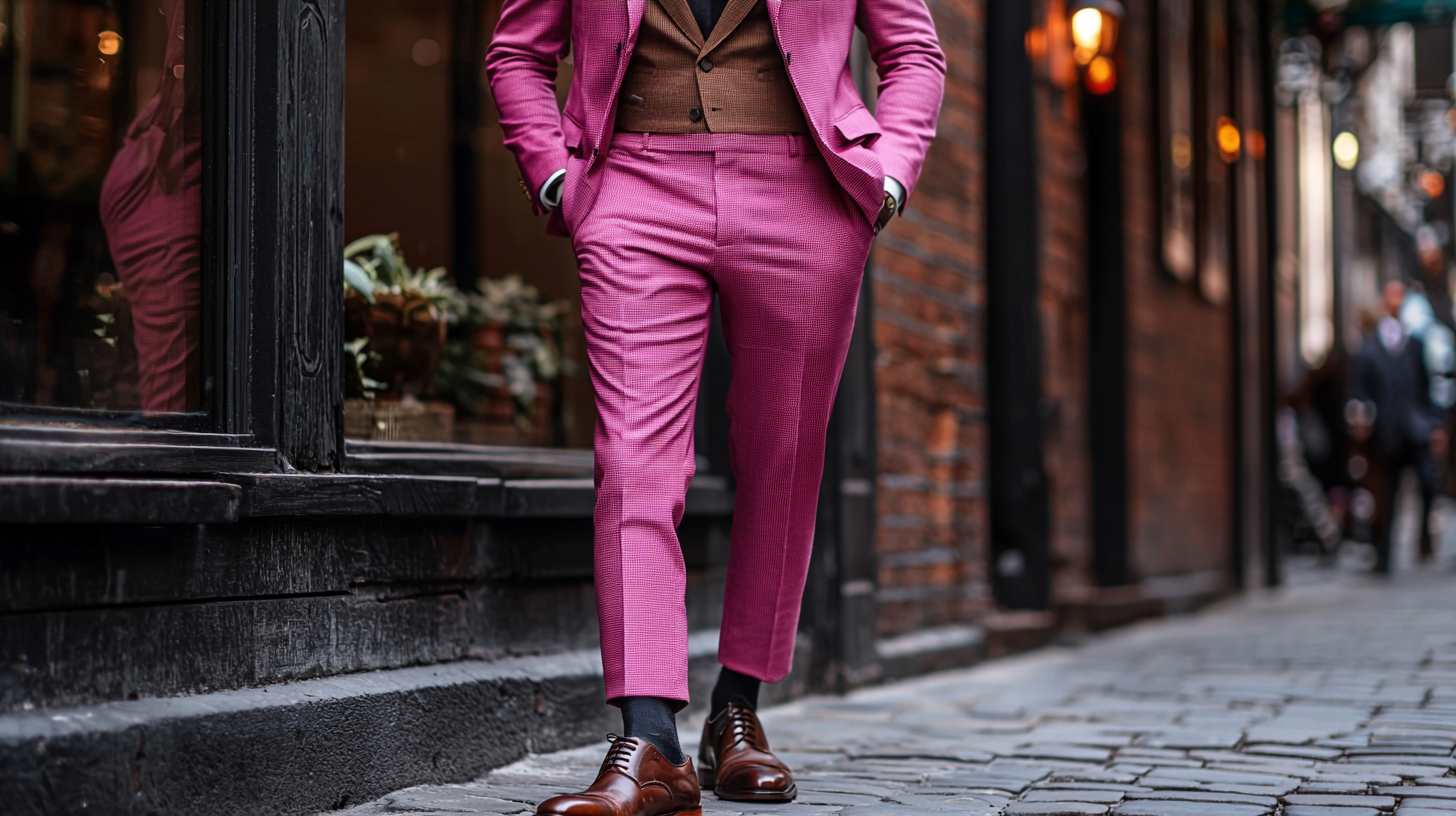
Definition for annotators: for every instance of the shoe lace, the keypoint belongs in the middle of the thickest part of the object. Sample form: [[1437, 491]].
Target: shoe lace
[[619, 754], [743, 722]]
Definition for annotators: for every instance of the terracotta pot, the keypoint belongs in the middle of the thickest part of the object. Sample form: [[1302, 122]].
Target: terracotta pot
[[407, 334]]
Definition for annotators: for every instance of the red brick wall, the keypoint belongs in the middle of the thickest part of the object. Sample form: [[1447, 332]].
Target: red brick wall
[[1180, 365], [1062, 305], [929, 290], [929, 297]]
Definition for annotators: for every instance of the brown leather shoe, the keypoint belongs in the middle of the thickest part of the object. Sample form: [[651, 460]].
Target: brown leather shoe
[[635, 780], [735, 762]]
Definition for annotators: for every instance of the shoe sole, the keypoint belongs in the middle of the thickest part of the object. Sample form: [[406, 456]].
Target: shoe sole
[[694, 812], [758, 796], [708, 776]]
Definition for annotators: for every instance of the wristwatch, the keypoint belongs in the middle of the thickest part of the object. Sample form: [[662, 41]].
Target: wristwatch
[[887, 211]]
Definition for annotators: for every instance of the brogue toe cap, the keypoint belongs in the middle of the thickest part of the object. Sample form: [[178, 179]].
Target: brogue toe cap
[[575, 804], [757, 778]]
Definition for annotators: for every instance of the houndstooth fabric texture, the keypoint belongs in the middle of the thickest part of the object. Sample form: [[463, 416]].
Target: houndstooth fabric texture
[[760, 220], [816, 36], [744, 88]]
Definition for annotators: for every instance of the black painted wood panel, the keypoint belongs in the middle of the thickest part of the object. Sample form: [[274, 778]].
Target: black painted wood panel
[[114, 436], [318, 494], [485, 463], [112, 653], [242, 312], [71, 566], [64, 567], [98, 612], [550, 498], [310, 220], [35, 500], [83, 656], [449, 459], [33, 456]]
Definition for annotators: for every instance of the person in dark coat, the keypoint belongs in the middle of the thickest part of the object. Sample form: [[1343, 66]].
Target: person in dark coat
[[1391, 409]]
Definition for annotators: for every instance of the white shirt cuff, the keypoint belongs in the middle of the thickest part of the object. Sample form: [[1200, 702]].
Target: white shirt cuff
[[897, 190], [550, 196]]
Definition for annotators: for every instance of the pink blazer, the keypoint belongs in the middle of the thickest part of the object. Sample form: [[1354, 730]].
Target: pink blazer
[[815, 36]]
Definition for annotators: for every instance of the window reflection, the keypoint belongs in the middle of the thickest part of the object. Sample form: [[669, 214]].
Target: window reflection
[[427, 175], [100, 205]]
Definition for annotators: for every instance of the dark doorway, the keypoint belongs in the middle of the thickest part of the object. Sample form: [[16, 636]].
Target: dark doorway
[[1107, 333], [1020, 524]]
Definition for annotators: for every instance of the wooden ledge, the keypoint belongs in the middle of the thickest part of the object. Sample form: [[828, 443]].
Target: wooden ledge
[[42, 499]]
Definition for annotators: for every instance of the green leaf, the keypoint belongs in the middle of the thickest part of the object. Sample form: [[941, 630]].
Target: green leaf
[[367, 244], [358, 278]]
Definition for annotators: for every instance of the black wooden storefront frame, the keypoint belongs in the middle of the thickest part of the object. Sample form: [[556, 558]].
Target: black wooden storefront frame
[[273, 82], [272, 325]]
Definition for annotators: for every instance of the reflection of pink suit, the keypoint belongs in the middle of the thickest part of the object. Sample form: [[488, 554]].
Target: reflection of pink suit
[[151, 207], [779, 227]]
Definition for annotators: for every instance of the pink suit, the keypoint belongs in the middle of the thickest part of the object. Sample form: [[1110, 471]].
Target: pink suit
[[780, 228]]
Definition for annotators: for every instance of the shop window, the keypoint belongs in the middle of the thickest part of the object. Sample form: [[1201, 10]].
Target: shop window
[[1176, 135], [1218, 146], [461, 314], [100, 210]]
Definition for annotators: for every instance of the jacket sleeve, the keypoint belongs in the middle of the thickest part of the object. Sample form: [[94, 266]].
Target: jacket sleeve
[[531, 39], [903, 44]]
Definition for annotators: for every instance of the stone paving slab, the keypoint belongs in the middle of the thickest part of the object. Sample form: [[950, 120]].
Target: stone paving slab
[[1336, 698]]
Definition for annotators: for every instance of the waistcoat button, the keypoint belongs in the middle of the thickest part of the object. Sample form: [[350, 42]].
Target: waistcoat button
[[695, 114], [706, 64]]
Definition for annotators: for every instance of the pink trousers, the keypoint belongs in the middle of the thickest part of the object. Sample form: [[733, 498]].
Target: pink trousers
[[670, 220]]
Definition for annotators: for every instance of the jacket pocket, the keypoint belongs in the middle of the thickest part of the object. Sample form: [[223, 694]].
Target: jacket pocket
[[572, 132], [573, 191], [859, 126]]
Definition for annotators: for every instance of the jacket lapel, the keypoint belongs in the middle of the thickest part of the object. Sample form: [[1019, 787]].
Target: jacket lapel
[[773, 12], [634, 18], [733, 14], [682, 15]]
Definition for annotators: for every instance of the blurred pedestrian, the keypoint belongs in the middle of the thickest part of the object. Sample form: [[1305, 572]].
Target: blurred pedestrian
[[1391, 410]]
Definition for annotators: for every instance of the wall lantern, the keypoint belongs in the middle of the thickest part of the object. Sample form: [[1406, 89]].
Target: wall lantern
[[1432, 184], [1226, 133], [1094, 25], [1347, 150], [108, 43]]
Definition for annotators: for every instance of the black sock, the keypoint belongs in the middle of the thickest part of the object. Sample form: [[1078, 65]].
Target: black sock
[[651, 719], [731, 684]]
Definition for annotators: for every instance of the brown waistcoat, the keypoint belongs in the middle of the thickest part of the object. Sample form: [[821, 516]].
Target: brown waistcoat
[[733, 83]]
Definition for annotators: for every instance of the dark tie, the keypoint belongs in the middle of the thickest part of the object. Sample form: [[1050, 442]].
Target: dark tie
[[707, 13]]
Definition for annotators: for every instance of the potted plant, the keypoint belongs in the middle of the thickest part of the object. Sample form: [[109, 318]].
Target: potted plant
[[395, 324], [502, 363], [404, 313]]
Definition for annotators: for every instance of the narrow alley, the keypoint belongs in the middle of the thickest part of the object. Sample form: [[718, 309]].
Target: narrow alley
[[1336, 698]]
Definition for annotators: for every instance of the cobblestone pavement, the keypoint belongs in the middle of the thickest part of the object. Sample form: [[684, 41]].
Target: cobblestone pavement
[[1337, 699]]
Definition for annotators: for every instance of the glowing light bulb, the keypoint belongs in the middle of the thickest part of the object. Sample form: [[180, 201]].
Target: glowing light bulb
[[1347, 150], [108, 43], [1087, 34], [1101, 76], [1229, 139]]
